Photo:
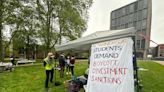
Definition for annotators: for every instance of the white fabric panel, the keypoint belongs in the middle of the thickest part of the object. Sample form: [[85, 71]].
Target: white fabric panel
[[111, 68]]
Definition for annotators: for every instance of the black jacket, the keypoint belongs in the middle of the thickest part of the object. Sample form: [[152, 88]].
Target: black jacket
[[61, 60]]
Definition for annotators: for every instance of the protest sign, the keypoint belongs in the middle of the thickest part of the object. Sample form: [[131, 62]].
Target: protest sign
[[111, 67]]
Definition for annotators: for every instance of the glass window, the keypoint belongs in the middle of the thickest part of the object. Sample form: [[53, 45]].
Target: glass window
[[143, 43], [123, 20], [162, 47], [118, 13], [139, 32], [144, 24], [127, 9], [126, 19], [122, 26], [118, 20], [136, 6], [144, 31], [113, 15], [139, 5], [131, 17], [134, 23], [139, 15], [161, 51], [123, 11], [126, 25], [130, 24], [113, 22], [139, 25], [145, 3], [131, 8], [144, 13], [138, 44], [135, 16]]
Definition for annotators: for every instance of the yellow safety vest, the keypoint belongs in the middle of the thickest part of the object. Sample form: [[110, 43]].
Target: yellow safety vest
[[48, 66]]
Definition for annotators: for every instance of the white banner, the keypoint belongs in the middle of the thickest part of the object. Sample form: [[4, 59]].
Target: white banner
[[111, 67]]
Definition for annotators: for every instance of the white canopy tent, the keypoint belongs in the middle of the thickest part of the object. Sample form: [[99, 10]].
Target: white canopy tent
[[84, 43]]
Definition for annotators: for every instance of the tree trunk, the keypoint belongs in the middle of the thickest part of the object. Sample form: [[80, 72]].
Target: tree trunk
[[28, 46], [48, 27], [1, 27], [1, 47]]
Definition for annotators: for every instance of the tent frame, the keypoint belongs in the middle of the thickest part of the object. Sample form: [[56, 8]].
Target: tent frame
[[136, 83]]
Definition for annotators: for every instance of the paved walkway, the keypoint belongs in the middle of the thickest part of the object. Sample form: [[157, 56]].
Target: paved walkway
[[160, 62], [28, 64]]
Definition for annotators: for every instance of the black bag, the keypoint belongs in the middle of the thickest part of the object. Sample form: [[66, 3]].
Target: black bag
[[82, 81], [74, 86]]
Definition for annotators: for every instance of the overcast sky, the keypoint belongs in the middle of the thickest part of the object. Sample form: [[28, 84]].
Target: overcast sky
[[99, 17]]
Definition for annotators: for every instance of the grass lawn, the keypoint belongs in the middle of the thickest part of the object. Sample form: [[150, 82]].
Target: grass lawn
[[31, 78], [153, 79]]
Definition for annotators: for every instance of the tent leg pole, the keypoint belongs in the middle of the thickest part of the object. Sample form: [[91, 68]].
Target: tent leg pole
[[136, 66]]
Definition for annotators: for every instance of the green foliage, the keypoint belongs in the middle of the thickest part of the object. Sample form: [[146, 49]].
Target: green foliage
[[48, 21], [61, 19]]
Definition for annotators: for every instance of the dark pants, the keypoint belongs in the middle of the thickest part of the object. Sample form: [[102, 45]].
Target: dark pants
[[48, 72], [68, 68], [72, 70], [12, 61], [62, 72]]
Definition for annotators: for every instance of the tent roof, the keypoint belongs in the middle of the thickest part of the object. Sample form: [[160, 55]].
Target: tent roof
[[84, 43]]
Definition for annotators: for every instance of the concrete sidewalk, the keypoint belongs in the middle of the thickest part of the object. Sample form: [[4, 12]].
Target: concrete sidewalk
[[28, 64], [160, 62]]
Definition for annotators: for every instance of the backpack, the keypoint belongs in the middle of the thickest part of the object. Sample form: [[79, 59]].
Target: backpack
[[72, 60]]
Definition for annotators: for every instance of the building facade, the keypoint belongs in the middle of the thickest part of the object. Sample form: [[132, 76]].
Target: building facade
[[160, 51], [137, 14]]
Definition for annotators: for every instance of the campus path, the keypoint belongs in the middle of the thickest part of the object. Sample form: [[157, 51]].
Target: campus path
[[160, 62], [28, 64]]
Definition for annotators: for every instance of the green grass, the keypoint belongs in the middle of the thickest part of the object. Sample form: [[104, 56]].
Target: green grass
[[153, 79], [31, 78]]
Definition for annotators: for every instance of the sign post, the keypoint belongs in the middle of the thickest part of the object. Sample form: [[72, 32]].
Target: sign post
[[111, 67]]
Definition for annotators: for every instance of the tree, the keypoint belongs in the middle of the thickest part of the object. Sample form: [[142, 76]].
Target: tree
[[61, 19], [46, 33], [26, 32], [47, 20], [18, 15], [73, 16], [8, 12]]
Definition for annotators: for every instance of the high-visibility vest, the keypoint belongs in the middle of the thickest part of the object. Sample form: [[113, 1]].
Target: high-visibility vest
[[48, 66]]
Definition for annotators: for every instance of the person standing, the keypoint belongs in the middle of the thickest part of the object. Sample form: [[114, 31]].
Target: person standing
[[12, 59], [67, 65], [49, 67], [72, 62], [62, 65]]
